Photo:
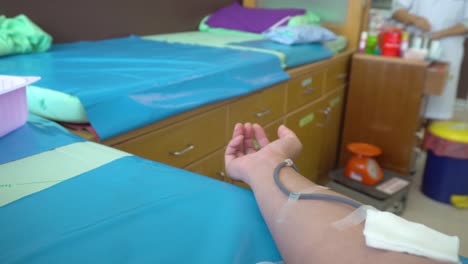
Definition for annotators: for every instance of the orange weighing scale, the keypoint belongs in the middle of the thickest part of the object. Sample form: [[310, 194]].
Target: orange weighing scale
[[362, 167], [365, 181]]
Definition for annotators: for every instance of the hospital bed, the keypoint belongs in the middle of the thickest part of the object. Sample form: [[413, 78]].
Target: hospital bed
[[101, 205], [309, 99]]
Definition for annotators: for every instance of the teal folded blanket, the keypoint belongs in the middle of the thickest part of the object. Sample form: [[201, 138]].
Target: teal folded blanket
[[21, 35]]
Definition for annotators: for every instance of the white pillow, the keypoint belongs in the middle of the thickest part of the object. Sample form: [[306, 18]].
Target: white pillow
[[299, 34]]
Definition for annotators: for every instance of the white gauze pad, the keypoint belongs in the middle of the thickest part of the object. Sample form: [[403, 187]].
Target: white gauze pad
[[384, 230]]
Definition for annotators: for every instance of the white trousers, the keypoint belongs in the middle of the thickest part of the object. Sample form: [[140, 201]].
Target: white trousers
[[442, 107]]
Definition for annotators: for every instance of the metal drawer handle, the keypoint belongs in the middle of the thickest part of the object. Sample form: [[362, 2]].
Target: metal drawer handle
[[341, 76], [182, 152], [327, 111], [309, 90], [264, 113]]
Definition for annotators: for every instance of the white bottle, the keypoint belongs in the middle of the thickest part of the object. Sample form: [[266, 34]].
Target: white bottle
[[363, 42], [435, 51], [404, 43]]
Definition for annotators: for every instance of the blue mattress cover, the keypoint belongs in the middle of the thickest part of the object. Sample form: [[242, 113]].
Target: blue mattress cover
[[296, 55], [130, 210], [127, 83], [36, 136], [136, 211]]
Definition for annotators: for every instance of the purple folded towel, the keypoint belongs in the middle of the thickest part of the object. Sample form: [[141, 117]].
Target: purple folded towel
[[255, 20]]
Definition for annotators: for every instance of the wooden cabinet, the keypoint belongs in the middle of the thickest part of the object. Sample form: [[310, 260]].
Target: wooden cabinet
[[384, 107], [305, 89], [337, 74], [308, 124], [262, 107], [330, 137], [211, 166], [183, 142]]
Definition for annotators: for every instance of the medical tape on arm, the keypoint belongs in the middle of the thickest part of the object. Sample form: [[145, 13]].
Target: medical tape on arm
[[353, 219], [292, 199]]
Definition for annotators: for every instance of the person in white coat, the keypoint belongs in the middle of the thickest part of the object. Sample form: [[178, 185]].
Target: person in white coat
[[447, 21]]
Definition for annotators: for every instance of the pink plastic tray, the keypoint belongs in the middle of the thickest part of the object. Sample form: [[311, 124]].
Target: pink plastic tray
[[13, 104]]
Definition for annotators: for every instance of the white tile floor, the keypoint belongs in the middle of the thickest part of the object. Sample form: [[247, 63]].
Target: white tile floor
[[439, 216], [444, 218]]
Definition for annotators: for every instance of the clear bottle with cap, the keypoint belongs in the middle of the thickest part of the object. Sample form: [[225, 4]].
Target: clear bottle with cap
[[404, 43], [435, 50]]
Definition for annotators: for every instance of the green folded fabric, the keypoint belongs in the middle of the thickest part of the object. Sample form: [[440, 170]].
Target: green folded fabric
[[308, 18], [338, 45], [21, 35], [205, 28]]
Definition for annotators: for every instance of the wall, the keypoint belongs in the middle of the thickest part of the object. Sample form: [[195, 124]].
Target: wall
[[72, 20], [463, 84]]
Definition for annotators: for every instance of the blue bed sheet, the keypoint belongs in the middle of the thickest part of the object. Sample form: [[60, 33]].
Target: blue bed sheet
[[36, 136], [129, 82], [296, 55], [130, 210], [136, 211]]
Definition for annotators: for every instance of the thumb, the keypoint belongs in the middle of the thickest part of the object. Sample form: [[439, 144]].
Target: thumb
[[287, 142], [283, 132]]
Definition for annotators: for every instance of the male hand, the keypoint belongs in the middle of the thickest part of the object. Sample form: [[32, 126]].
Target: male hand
[[241, 157], [421, 23]]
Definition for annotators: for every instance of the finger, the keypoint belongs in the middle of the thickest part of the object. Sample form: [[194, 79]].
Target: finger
[[233, 149], [260, 135], [238, 130], [283, 132], [249, 146], [288, 142]]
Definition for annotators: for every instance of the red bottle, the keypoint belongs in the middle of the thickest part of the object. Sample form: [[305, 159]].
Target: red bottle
[[391, 42]]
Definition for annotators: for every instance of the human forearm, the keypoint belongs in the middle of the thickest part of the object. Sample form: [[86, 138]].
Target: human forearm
[[306, 235], [303, 232], [407, 18], [403, 16], [457, 30]]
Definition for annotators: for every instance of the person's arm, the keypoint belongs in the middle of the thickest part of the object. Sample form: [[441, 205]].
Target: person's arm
[[460, 28], [306, 234], [405, 17], [457, 30]]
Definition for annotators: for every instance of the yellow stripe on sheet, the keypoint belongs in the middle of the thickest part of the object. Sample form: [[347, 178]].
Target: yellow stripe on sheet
[[35, 173]]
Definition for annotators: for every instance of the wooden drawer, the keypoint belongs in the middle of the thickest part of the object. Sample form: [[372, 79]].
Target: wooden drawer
[[304, 89], [271, 130], [211, 166], [331, 133], [261, 108], [337, 75], [308, 125], [183, 142]]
